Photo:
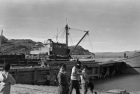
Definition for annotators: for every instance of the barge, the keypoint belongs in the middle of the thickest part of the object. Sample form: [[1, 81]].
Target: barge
[[44, 69]]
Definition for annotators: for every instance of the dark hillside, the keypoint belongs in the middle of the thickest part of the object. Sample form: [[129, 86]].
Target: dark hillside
[[18, 46], [22, 46]]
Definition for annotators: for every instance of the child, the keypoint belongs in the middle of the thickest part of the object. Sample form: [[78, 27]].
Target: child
[[6, 80], [86, 81], [91, 85]]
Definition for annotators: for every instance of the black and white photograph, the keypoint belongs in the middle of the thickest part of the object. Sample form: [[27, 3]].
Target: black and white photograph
[[69, 46]]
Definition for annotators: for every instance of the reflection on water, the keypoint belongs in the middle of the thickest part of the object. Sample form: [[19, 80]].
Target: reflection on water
[[128, 82]]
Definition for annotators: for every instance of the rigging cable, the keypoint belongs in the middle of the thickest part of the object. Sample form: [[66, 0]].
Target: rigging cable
[[90, 43], [70, 39], [59, 33], [62, 35], [77, 29]]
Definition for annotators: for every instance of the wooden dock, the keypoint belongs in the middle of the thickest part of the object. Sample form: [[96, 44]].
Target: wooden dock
[[48, 75]]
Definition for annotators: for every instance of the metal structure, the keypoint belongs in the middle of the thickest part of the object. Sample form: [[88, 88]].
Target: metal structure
[[67, 33], [1, 40], [87, 32]]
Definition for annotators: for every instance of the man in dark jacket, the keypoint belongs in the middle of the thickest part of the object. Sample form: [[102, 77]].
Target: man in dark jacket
[[63, 80]]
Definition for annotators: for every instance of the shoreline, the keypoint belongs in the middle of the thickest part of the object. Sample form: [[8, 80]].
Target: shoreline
[[40, 89]]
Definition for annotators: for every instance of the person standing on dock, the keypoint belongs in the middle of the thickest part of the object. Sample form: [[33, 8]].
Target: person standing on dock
[[63, 80], [75, 77], [86, 81], [6, 80]]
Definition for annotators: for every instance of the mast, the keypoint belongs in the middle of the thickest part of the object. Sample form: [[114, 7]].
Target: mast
[[1, 40], [67, 33]]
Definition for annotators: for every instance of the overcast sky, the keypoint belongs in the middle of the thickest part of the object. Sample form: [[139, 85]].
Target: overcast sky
[[114, 25]]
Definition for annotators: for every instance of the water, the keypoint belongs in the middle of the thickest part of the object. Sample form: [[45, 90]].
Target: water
[[125, 82]]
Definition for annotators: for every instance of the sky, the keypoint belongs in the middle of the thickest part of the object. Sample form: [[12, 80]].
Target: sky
[[113, 24]]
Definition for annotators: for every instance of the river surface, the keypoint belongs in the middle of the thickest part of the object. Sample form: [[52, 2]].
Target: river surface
[[125, 82]]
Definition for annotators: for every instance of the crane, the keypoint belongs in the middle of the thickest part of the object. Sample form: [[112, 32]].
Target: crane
[[67, 28], [86, 33]]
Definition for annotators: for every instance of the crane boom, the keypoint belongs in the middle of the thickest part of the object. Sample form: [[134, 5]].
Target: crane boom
[[87, 32], [67, 33]]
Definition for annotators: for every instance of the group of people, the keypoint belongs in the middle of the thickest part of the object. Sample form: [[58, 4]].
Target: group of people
[[79, 79]]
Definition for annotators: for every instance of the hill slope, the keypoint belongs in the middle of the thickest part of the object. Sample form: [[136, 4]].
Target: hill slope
[[18, 46], [79, 51], [24, 46]]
